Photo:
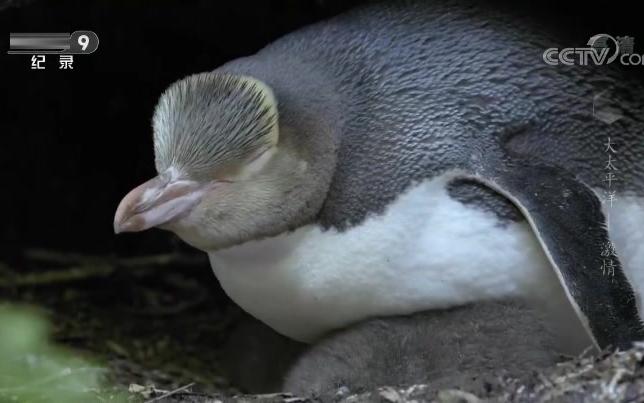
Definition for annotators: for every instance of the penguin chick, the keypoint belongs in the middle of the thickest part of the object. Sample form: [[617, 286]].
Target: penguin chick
[[460, 347]]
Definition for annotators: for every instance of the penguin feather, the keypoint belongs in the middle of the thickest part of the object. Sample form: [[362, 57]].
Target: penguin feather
[[209, 120]]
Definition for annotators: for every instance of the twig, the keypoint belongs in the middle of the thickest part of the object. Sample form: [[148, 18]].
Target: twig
[[70, 274], [51, 256], [172, 392], [129, 262], [83, 267]]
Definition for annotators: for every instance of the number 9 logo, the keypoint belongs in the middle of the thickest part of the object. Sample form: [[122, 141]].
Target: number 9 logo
[[83, 42]]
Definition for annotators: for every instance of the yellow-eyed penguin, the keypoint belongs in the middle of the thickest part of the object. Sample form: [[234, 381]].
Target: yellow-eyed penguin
[[402, 157]]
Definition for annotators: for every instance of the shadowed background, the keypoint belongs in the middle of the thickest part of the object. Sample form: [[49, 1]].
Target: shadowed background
[[74, 142]]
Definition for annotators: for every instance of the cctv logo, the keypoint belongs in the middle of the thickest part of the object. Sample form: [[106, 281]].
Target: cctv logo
[[601, 49]]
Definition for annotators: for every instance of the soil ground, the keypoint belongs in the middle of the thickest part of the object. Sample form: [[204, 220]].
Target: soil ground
[[162, 326]]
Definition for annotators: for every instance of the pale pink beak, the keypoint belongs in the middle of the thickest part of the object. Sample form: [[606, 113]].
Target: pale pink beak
[[157, 202]]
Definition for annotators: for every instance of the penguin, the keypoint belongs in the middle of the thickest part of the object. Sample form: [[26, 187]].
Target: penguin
[[404, 157], [467, 347]]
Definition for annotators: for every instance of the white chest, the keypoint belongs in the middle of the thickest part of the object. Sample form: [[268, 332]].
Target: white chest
[[426, 251]]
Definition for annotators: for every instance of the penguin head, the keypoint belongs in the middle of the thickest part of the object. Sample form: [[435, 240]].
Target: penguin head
[[224, 174]]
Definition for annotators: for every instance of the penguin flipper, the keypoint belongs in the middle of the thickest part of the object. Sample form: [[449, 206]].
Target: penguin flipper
[[567, 218]]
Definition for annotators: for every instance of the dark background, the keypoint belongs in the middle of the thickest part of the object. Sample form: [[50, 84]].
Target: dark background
[[72, 143]]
